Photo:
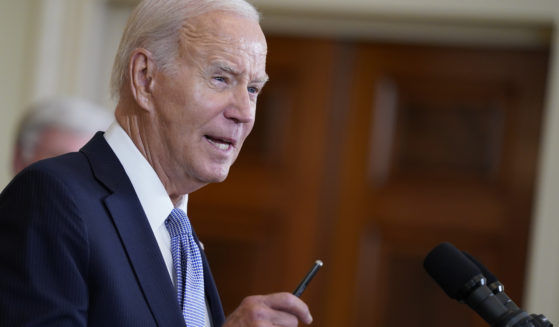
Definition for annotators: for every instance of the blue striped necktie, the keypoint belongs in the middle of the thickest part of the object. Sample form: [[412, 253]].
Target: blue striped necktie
[[189, 271]]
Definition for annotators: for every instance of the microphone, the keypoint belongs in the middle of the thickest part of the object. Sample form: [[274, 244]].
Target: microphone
[[499, 290], [465, 280], [493, 283]]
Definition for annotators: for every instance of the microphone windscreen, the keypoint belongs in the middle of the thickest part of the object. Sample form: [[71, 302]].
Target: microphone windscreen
[[450, 269], [486, 273]]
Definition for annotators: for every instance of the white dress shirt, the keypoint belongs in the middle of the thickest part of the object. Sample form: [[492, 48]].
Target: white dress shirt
[[150, 191]]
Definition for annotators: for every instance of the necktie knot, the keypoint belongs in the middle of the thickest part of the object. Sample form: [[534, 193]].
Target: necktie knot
[[178, 224]]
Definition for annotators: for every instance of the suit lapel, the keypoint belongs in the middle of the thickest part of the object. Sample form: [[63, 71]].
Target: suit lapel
[[212, 295], [145, 258], [136, 234]]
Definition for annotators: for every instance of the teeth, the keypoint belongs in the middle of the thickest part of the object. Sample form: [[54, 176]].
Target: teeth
[[221, 146]]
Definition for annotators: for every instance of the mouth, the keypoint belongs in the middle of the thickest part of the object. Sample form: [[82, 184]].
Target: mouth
[[222, 143]]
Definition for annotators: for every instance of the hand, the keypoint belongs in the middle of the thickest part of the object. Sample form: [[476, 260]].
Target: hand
[[278, 309]]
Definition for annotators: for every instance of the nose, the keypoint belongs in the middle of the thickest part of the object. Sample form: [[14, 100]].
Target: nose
[[241, 109]]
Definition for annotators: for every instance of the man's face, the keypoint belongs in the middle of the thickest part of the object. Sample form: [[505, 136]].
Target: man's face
[[205, 106], [52, 142]]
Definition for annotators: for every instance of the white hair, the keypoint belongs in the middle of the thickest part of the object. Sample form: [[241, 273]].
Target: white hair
[[68, 113], [155, 25]]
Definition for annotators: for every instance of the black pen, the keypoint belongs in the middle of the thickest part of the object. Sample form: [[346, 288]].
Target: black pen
[[299, 290]]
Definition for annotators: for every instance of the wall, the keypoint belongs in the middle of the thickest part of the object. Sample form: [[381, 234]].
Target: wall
[[542, 290], [50, 47], [15, 24]]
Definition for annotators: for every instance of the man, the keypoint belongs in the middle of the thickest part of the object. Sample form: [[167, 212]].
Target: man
[[55, 126], [100, 237]]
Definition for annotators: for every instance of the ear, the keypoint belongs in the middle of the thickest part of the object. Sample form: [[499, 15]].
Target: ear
[[142, 70]]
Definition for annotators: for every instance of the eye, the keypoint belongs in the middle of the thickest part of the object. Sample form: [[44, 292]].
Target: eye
[[253, 90], [221, 79]]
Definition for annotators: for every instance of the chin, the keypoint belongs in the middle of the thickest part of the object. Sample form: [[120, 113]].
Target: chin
[[217, 175], [219, 180]]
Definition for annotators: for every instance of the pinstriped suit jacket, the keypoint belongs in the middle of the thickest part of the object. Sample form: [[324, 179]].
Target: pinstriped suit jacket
[[76, 248]]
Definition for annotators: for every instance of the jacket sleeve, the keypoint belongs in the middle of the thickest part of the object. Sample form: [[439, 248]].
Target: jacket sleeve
[[43, 253]]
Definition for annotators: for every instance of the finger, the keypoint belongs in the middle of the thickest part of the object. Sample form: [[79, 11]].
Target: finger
[[289, 303], [281, 318]]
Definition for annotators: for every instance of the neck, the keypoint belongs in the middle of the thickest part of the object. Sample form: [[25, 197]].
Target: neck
[[139, 125]]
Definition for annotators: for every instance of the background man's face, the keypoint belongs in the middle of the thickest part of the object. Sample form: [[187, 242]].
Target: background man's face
[[205, 107], [51, 142]]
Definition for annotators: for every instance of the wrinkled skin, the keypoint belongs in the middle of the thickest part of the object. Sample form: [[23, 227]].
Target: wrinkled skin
[[190, 122], [278, 309]]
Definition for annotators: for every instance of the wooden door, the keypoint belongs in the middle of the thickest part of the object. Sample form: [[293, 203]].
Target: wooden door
[[442, 145]]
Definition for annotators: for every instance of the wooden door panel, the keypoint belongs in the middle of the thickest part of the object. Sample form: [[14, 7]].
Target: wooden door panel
[[392, 288], [434, 135]]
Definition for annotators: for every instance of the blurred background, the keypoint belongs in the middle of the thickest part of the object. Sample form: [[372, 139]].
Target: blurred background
[[387, 127]]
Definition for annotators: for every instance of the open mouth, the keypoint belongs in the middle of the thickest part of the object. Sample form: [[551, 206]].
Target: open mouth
[[220, 143]]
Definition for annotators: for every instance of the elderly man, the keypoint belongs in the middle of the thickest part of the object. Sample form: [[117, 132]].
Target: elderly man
[[101, 237], [55, 126]]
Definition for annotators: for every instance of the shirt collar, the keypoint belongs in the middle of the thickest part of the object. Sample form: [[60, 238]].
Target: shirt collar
[[150, 191]]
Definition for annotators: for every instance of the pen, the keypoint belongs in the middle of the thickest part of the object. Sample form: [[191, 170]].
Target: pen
[[299, 290]]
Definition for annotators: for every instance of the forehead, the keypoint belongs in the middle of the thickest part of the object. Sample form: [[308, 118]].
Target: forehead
[[225, 36]]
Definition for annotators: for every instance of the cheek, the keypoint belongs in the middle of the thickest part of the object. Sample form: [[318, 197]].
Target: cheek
[[173, 94], [202, 100], [249, 128]]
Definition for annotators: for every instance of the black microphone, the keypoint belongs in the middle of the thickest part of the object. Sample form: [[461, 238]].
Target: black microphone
[[499, 290], [493, 283], [463, 281], [463, 278]]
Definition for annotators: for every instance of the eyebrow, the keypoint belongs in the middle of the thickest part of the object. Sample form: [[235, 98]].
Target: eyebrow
[[264, 80], [230, 70]]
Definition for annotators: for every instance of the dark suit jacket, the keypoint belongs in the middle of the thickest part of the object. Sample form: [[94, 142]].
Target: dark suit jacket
[[76, 249]]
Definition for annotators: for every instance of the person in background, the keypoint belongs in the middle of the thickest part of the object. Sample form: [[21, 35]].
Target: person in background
[[101, 237], [55, 126]]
